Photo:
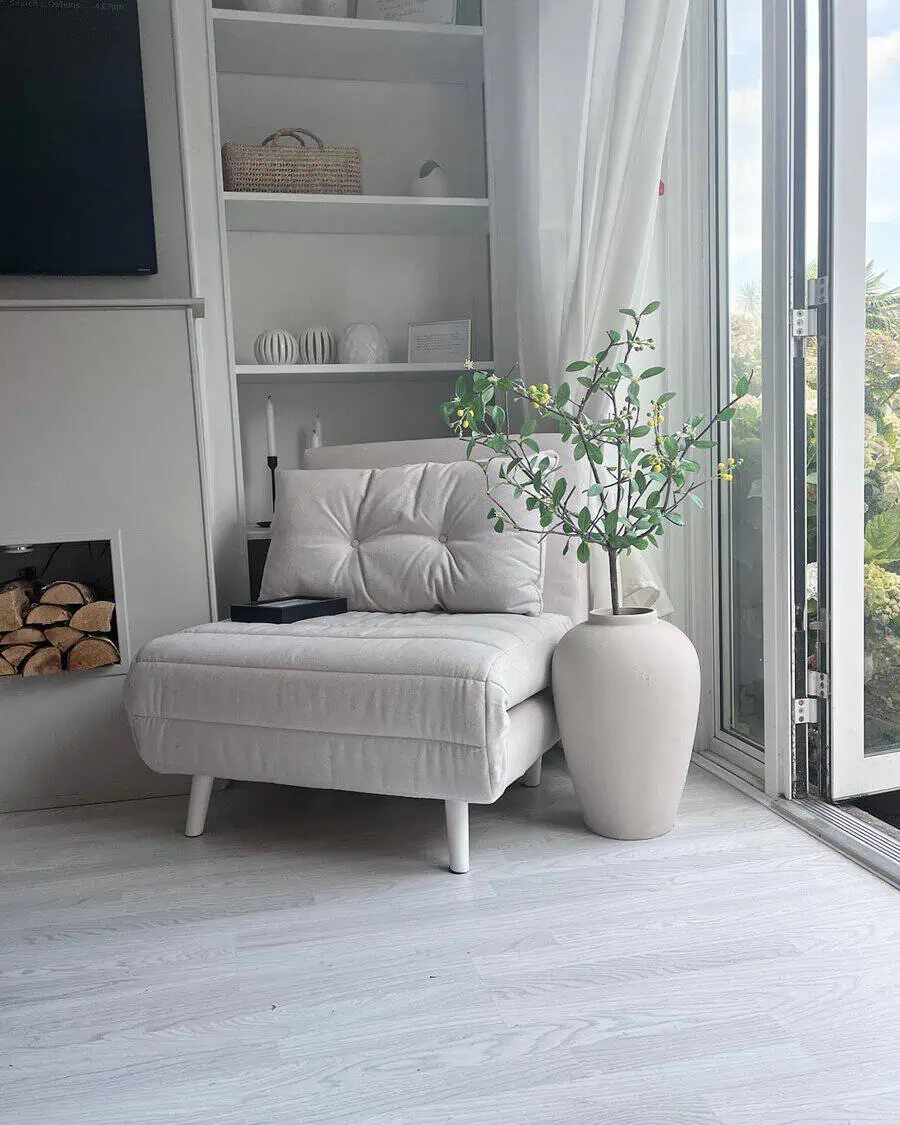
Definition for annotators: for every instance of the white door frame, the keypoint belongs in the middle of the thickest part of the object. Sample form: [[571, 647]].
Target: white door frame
[[777, 418], [852, 771]]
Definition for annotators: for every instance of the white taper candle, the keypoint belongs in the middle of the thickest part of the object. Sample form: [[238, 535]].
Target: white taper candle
[[270, 425]]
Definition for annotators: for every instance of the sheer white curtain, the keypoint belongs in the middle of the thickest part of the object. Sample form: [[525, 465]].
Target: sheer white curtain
[[595, 84]]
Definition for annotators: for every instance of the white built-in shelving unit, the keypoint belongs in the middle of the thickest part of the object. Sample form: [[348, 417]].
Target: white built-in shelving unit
[[403, 93]]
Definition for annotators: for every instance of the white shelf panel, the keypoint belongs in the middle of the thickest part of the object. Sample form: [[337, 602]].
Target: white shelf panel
[[354, 214], [352, 373], [368, 50]]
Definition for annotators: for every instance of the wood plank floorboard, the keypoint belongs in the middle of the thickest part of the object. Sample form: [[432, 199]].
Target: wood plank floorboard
[[310, 960]]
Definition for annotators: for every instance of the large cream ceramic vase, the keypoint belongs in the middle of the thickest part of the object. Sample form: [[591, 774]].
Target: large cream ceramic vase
[[627, 694]]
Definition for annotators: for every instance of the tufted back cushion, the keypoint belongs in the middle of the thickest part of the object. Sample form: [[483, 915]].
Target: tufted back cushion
[[565, 579], [399, 540]]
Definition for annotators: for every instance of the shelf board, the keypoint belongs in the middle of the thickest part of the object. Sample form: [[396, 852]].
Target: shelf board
[[352, 373], [367, 50], [354, 214]]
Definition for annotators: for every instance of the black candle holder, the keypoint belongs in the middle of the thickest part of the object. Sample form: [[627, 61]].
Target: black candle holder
[[272, 462]]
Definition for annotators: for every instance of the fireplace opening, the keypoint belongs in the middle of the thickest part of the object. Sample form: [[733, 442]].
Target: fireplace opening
[[58, 610]]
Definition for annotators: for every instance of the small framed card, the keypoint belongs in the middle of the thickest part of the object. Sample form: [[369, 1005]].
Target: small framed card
[[410, 11], [442, 341]]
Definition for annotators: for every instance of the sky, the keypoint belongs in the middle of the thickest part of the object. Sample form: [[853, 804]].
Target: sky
[[744, 45]]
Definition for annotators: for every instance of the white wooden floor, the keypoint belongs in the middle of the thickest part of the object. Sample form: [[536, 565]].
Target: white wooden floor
[[310, 960]]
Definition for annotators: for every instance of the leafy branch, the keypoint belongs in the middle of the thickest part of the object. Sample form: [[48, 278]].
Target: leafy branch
[[641, 471]]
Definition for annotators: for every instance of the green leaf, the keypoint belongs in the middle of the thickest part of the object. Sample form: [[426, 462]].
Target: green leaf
[[586, 381], [563, 394], [670, 445], [664, 398], [584, 519], [546, 517], [498, 416], [742, 386], [565, 428], [652, 372], [640, 480], [704, 443], [641, 544], [498, 526], [492, 514], [651, 308], [462, 385], [675, 517], [583, 553], [725, 415], [882, 534], [624, 370], [578, 365], [470, 445], [689, 466], [531, 503], [578, 450], [628, 312], [595, 490], [653, 499], [640, 431], [528, 428], [610, 522], [614, 336], [695, 499], [530, 443], [559, 489], [487, 394]]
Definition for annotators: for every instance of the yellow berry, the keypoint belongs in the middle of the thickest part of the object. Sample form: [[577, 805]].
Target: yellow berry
[[459, 414], [465, 423]]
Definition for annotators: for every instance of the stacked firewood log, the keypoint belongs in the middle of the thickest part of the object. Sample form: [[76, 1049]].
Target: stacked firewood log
[[60, 627]]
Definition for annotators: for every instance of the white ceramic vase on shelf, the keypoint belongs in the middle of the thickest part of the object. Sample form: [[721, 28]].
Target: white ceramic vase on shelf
[[316, 345], [627, 695], [276, 347], [363, 344], [431, 181]]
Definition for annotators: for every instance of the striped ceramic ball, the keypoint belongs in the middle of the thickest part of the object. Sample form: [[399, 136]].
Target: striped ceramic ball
[[317, 345], [276, 346]]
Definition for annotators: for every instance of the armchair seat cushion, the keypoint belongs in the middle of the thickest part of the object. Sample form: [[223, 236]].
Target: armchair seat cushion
[[419, 704]]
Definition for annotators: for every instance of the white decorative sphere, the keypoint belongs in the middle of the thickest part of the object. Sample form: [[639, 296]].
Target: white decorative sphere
[[316, 345], [277, 347], [363, 344]]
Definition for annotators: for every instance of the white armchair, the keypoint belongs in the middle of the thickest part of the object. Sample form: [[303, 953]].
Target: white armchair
[[453, 706]]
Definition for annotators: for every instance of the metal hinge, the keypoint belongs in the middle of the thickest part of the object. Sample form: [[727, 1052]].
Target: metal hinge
[[816, 291], [818, 684], [806, 711], [804, 323]]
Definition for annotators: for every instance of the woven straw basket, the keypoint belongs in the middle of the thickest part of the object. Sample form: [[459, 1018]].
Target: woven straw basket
[[323, 170]]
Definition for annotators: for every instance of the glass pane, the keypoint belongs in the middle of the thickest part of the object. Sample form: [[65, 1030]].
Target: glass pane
[[882, 402], [741, 508]]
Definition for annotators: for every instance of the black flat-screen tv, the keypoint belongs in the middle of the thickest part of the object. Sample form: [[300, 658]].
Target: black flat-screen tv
[[75, 195]]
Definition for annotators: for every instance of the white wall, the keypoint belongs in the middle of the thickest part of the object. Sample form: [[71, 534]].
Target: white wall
[[66, 741]]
